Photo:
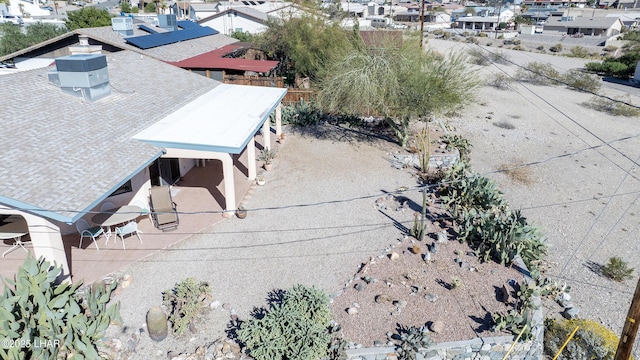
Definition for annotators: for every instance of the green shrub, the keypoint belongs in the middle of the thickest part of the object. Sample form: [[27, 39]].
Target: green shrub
[[478, 56], [591, 341], [617, 270], [610, 48], [582, 81], [611, 107], [125, 7], [538, 74], [556, 48], [302, 114], [579, 52], [184, 302], [46, 320], [482, 35], [150, 8], [295, 328], [135, 10], [500, 81]]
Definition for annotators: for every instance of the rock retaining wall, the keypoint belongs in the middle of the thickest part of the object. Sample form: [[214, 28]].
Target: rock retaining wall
[[481, 348]]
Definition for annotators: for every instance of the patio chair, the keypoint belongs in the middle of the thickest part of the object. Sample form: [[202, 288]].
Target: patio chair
[[86, 230], [107, 206], [130, 228], [163, 209]]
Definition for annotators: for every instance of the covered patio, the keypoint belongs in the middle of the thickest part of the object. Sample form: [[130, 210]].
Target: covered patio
[[198, 197]]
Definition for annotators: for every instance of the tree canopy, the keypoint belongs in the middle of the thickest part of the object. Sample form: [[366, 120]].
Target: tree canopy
[[302, 44], [623, 66], [400, 83], [87, 17], [13, 39]]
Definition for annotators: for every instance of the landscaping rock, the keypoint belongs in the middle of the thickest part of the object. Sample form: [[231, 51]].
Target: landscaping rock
[[394, 256], [360, 286], [437, 327], [383, 298], [570, 313], [352, 311]]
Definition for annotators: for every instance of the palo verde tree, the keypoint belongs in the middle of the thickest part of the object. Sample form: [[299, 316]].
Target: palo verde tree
[[87, 17], [401, 83], [13, 39], [302, 44]]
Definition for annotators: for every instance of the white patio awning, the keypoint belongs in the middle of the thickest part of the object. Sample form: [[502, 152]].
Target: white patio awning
[[222, 120]]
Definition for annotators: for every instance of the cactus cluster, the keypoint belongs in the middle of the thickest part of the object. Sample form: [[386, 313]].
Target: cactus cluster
[[185, 301], [294, 328], [48, 320]]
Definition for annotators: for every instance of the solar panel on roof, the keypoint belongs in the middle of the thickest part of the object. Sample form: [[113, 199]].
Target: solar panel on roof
[[147, 29], [186, 24], [170, 37]]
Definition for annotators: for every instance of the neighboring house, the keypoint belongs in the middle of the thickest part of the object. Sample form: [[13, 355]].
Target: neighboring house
[[239, 19], [596, 26], [629, 20], [112, 40], [555, 3], [488, 20], [217, 64], [78, 139]]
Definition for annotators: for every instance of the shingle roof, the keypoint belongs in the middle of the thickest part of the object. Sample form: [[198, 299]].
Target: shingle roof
[[65, 154], [583, 22], [171, 52]]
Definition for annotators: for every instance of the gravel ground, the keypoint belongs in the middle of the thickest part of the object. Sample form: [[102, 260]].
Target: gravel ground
[[314, 221], [582, 167]]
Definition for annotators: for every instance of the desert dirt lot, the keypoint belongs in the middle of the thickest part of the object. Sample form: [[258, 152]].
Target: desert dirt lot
[[578, 180]]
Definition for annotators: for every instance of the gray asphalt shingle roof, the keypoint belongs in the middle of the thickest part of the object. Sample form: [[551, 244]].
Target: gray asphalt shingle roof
[[63, 154], [171, 52]]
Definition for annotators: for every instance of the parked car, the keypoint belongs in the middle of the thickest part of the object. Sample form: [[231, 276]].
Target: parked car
[[12, 19], [50, 8]]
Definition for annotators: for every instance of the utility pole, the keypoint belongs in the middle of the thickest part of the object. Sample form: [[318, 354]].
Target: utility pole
[[630, 329], [421, 23]]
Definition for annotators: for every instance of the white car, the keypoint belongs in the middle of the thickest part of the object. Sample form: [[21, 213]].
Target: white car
[[12, 19]]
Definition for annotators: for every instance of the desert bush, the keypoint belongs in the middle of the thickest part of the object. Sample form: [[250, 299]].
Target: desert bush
[[579, 52], [610, 48], [473, 40], [438, 32], [610, 67], [518, 48], [478, 56], [499, 57], [294, 328], [538, 74], [302, 114], [47, 320], [540, 48], [611, 107], [504, 125], [185, 301], [591, 341], [500, 81], [556, 48], [482, 35], [617, 270], [581, 81]]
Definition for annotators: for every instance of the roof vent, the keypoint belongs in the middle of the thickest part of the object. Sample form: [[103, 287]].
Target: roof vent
[[122, 25], [168, 22], [84, 47], [82, 75]]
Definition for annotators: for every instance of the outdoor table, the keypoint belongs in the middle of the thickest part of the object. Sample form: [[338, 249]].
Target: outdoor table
[[117, 216], [14, 227]]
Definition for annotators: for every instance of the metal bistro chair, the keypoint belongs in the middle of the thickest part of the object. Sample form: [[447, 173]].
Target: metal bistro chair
[[130, 228], [107, 229], [86, 230], [163, 209]]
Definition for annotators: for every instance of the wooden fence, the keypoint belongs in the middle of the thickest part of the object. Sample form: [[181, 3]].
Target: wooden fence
[[293, 95]]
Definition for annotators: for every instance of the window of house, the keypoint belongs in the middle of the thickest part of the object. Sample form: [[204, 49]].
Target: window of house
[[125, 188]]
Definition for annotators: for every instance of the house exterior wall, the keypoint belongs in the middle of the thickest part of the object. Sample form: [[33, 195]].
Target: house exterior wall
[[228, 23]]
